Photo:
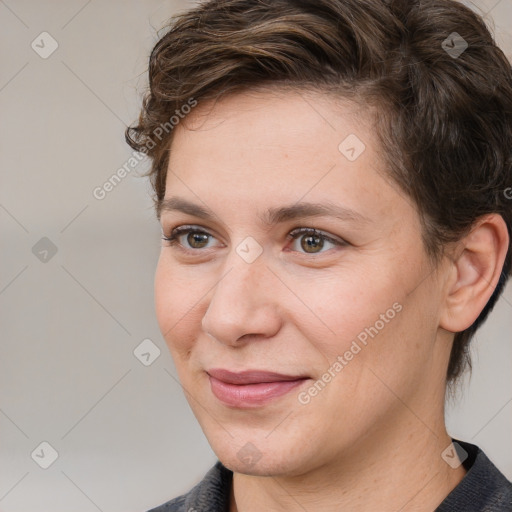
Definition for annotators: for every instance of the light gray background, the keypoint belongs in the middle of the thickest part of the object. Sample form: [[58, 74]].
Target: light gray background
[[125, 436]]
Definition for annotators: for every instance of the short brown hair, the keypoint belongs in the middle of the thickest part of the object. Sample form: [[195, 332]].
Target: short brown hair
[[446, 125]]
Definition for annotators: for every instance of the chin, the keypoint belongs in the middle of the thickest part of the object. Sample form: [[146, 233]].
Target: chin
[[264, 467], [262, 458]]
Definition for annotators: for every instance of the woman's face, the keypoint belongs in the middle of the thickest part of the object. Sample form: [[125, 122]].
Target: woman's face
[[347, 316]]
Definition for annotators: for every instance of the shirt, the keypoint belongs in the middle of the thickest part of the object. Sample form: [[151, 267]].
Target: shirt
[[483, 489]]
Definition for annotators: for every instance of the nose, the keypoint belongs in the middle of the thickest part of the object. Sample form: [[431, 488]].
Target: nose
[[243, 305]]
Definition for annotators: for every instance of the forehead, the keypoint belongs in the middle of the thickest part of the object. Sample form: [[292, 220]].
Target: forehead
[[296, 115], [267, 125], [279, 147]]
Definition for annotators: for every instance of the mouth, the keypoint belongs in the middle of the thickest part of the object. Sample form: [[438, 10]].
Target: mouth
[[251, 388]]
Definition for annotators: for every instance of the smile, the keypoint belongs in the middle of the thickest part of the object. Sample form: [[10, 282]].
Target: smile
[[251, 388]]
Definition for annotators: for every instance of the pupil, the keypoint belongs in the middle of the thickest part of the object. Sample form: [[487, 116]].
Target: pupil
[[197, 240], [312, 242]]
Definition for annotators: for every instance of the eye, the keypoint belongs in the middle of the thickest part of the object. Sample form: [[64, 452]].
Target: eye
[[189, 238], [312, 241]]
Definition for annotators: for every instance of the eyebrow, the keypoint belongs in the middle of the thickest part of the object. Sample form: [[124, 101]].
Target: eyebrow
[[272, 216]]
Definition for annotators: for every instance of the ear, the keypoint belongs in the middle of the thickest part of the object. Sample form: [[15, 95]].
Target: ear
[[475, 272]]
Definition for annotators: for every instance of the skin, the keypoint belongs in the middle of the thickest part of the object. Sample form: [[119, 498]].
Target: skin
[[372, 438]]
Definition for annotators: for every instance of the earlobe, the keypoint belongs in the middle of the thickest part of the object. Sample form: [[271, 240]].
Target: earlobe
[[476, 272]]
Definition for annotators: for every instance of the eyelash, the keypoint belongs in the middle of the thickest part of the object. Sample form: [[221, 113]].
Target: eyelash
[[172, 239]]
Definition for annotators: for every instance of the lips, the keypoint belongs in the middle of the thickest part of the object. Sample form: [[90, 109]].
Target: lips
[[251, 376], [251, 388]]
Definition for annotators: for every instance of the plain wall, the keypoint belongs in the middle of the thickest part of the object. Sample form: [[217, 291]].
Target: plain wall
[[125, 436]]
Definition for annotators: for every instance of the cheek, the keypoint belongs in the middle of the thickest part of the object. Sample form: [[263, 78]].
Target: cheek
[[165, 297], [176, 298], [377, 328], [348, 307], [383, 332]]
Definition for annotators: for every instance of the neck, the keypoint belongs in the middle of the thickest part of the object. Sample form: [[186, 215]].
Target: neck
[[402, 468]]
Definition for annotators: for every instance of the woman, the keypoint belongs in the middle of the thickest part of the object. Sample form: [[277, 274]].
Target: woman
[[331, 179]]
